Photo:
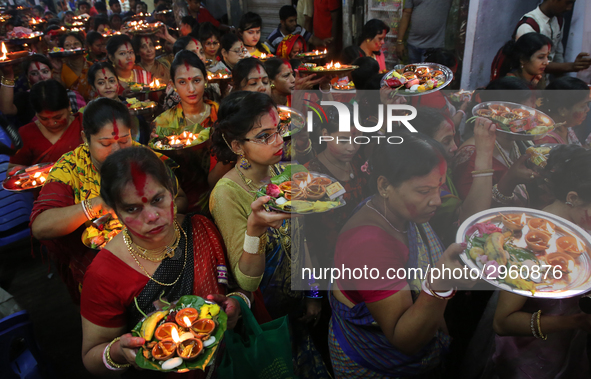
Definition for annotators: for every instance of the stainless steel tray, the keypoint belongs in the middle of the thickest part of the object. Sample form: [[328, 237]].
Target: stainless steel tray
[[579, 280]]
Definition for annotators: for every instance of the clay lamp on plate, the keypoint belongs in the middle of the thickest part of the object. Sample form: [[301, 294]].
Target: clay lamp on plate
[[203, 328], [164, 331], [537, 240], [186, 317], [315, 192], [189, 348], [570, 245], [541, 225], [565, 261], [514, 222], [165, 349]]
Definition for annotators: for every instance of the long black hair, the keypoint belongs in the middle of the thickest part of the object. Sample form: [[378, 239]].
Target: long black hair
[[417, 156], [522, 50], [99, 66], [102, 111], [238, 114], [569, 169], [49, 95], [564, 92]]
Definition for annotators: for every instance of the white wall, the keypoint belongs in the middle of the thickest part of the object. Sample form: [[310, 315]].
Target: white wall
[[579, 37], [490, 24]]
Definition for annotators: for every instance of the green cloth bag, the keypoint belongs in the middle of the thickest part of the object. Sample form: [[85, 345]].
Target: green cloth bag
[[259, 351]]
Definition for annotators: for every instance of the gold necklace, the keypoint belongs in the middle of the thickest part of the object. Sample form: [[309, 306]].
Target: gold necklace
[[246, 181], [348, 172], [154, 255], [150, 276]]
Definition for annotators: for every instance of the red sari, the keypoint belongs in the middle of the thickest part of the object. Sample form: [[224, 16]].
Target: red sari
[[38, 149]]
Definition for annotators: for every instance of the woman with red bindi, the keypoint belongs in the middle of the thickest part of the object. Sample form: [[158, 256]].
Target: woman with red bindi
[[195, 114], [121, 54], [159, 68], [160, 255], [392, 230], [71, 193], [248, 137]]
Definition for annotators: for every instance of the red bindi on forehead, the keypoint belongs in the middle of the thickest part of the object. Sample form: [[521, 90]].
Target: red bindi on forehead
[[115, 129], [273, 116], [138, 176]]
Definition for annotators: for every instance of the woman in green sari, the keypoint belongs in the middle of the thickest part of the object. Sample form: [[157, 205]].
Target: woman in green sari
[[261, 245]]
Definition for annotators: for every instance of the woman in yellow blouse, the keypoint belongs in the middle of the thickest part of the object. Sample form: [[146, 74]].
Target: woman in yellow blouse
[[193, 114]]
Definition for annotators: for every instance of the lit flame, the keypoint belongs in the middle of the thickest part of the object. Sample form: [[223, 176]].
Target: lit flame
[[324, 51], [309, 179], [4, 52], [37, 174], [317, 52], [18, 182], [263, 56], [42, 179], [523, 219], [549, 228], [329, 65], [175, 335], [187, 321], [337, 65], [34, 183], [188, 143], [302, 185], [157, 84]]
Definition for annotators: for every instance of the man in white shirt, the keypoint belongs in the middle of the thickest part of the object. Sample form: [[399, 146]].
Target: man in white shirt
[[548, 17]]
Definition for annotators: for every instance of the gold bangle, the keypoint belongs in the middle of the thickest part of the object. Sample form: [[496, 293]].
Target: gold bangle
[[240, 295], [110, 360], [89, 209], [7, 82], [487, 171], [542, 336], [263, 244], [306, 150]]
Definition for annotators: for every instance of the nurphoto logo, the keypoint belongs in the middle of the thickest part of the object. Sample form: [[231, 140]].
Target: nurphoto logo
[[345, 123]]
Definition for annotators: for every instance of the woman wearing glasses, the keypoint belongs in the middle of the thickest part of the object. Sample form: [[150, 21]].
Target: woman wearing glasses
[[121, 54], [193, 114], [232, 50], [209, 36], [259, 243]]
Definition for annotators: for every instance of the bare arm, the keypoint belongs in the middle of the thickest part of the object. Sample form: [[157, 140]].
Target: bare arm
[[582, 62], [44, 227], [480, 194], [7, 94], [96, 338], [308, 25], [402, 28], [510, 320]]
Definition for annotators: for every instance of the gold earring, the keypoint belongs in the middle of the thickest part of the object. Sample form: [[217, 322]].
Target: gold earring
[[205, 85], [272, 85], [244, 163]]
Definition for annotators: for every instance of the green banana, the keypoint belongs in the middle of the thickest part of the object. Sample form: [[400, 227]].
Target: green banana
[[149, 326], [493, 248]]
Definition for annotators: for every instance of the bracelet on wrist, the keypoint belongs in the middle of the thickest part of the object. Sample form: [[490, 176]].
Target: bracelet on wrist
[[85, 210], [500, 198], [255, 245], [7, 82], [108, 361], [482, 175], [441, 296], [242, 296], [488, 170], [307, 150]]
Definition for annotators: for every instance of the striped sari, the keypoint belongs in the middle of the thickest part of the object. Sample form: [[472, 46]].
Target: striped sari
[[359, 348]]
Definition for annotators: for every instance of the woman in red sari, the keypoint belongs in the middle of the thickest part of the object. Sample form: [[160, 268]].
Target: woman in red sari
[[55, 132], [161, 255]]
